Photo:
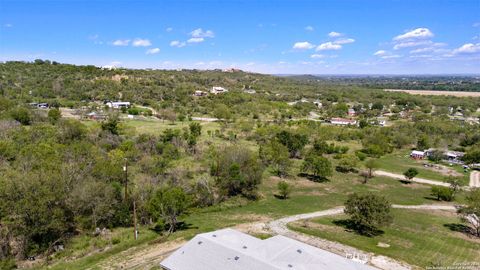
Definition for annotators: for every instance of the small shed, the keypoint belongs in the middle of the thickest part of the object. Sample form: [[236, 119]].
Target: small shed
[[415, 154]]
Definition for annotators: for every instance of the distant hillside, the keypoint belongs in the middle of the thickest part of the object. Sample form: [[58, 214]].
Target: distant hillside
[[421, 82]]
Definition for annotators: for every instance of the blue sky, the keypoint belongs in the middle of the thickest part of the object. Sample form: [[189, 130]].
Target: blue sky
[[315, 37]]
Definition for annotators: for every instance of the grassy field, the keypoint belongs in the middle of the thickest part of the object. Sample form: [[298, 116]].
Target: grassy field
[[416, 237], [307, 196], [399, 162]]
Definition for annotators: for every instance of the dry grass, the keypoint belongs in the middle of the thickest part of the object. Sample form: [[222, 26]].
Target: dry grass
[[437, 93]]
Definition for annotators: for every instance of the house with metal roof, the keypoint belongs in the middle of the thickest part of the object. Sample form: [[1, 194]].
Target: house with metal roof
[[234, 250]]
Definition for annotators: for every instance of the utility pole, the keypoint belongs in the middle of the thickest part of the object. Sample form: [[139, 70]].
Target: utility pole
[[125, 169], [135, 232]]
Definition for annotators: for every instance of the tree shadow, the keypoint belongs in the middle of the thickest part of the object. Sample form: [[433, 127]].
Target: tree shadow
[[406, 182], [351, 226], [314, 178], [456, 227], [279, 197], [431, 198]]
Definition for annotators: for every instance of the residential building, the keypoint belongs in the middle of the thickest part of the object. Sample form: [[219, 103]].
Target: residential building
[[234, 250], [218, 90], [343, 121], [415, 154], [117, 104]]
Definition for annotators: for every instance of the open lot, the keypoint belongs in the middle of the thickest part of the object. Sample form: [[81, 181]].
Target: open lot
[[399, 162], [417, 237], [437, 93]]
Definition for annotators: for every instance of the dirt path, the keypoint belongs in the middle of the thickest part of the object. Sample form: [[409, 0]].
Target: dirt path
[[475, 179], [279, 226], [415, 179], [142, 257]]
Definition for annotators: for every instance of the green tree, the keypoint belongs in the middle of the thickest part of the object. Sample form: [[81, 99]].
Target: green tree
[[237, 171], [423, 142], [276, 155], [168, 204], [21, 115], [294, 142], [371, 164], [347, 163], [317, 165], [410, 174], [284, 189], [54, 115], [470, 212], [368, 212], [195, 129], [110, 125], [442, 193]]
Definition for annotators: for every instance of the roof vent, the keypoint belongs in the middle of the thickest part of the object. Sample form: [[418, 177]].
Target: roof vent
[[244, 247], [299, 251], [290, 266], [236, 258], [200, 242], [214, 235]]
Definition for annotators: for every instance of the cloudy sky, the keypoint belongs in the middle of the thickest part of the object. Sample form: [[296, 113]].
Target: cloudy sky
[[297, 36]]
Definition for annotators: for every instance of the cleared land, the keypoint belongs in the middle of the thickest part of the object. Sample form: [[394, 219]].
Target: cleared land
[[417, 237], [437, 93], [399, 161]]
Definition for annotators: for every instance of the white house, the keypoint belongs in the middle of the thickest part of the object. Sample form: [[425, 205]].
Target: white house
[[218, 90], [343, 121], [352, 112], [229, 249], [118, 104], [199, 93], [415, 154], [250, 91]]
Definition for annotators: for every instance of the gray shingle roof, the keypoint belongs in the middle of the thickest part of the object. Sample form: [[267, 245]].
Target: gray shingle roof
[[234, 250]]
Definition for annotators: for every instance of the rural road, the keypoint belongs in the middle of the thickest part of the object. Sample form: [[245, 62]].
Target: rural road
[[475, 179], [279, 226], [415, 179]]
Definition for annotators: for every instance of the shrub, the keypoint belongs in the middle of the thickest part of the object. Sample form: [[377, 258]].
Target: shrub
[[284, 189], [443, 193]]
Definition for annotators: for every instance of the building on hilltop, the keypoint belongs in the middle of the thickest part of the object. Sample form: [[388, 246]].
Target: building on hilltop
[[117, 104], [218, 90], [234, 250], [343, 121]]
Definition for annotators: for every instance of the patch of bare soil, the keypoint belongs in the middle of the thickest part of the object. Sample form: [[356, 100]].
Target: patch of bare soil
[[437, 93], [144, 257]]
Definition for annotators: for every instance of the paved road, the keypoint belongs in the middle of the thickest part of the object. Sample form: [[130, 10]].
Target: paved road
[[475, 179], [415, 179], [279, 226]]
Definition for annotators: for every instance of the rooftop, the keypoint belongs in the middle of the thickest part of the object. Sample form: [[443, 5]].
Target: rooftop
[[231, 249]]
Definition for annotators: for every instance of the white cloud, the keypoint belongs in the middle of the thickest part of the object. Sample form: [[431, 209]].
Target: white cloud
[[391, 56], [335, 34], [121, 42], [199, 33], [328, 46], [467, 48], [196, 40], [309, 28], [380, 53], [138, 42], [411, 44], [153, 51], [178, 44], [305, 45], [169, 29], [8, 25], [418, 33], [477, 24], [317, 56], [344, 41]]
